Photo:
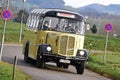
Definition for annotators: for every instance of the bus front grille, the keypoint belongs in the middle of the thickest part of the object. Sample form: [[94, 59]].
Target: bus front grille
[[67, 44]]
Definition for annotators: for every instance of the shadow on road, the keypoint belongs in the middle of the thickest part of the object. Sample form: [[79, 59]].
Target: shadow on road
[[31, 64], [54, 68], [20, 62]]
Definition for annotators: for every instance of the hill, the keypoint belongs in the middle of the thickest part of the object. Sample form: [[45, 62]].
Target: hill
[[47, 3], [101, 9], [97, 9], [93, 10]]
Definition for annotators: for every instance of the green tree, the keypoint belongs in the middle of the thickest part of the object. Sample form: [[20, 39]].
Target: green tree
[[94, 29], [19, 16]]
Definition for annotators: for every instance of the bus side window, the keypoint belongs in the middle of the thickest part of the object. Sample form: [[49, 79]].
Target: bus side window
[[40, 23], [28, 25], [31, 22], [37, 22], [34, 22]]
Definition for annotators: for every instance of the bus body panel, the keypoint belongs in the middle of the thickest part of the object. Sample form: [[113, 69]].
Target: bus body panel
[[55, 40]]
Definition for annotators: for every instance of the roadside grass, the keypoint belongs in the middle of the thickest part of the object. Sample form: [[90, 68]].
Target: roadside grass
[[98, 42], [111, 69], [12, 31], [6, 71], [11, 36]]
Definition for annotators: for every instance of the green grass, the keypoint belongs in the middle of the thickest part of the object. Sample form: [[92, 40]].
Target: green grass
[[98, 42], [6, 72], [12, 31], [111, 68]]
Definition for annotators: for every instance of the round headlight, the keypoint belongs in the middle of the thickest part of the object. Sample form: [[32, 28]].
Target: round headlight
[[82, 53], [49, 48]]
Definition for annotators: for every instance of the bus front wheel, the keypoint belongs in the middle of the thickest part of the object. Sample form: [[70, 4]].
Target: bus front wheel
[[26, 58], [40, 62], [80, 67]]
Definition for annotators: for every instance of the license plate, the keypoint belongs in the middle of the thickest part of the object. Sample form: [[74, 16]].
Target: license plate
[[64, 61]]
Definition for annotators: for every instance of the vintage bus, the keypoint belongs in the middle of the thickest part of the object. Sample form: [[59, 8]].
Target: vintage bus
[[55, 35]]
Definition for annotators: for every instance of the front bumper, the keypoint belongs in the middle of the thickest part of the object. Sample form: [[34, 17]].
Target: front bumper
[[54, 56]]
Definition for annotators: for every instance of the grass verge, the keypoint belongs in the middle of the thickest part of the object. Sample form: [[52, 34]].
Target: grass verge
[[6, 72], [111, 69], [98, 42], [12, 31]]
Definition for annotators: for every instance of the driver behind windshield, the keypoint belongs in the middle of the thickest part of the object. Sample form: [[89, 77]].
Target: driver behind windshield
[[46, 25], [69, 28]]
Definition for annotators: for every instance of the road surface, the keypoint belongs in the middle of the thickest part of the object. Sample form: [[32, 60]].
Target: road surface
[[51, 72]]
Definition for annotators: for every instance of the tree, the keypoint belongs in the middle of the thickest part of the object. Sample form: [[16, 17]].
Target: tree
[[94, 29], [19, 16]]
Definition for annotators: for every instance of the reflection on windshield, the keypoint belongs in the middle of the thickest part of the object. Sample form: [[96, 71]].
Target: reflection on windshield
[[63, 25]]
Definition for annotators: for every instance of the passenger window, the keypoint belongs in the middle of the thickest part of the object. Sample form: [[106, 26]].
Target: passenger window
[[34, 22], [31, 22], [28, 22], [37, 22]]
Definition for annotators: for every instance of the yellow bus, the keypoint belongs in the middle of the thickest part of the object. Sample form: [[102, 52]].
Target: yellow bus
[[55, 35]]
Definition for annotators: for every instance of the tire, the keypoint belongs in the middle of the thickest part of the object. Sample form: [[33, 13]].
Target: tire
[[40, 62], [59, 64], [65, 66], [26, 58], [80, 68]]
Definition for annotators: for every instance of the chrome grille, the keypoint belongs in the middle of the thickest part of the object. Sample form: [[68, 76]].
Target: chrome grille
[[67, 45], [70, 48], [63, 45]]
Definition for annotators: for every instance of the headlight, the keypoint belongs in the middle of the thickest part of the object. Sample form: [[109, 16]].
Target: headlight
[[49, 48], [81, 53]]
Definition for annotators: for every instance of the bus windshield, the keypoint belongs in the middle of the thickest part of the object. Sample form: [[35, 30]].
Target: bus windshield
[[63, 25]]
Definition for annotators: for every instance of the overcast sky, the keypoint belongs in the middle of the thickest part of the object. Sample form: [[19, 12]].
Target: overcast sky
[[79, 3]]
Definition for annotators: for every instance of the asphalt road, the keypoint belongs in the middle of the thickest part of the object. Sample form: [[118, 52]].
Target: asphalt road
[[51, 72]]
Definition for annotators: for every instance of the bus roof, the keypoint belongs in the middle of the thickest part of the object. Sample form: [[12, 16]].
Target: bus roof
[[58, 13]]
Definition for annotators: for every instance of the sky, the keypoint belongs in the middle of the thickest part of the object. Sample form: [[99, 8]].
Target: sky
[[80, 3]]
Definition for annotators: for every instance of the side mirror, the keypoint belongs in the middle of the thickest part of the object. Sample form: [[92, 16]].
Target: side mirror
[[87, 26]]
